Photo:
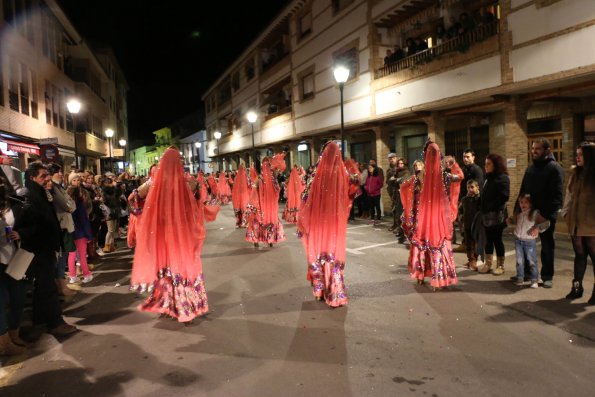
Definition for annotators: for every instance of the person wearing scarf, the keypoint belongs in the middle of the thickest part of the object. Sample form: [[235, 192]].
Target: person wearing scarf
[[295, 187], [240, 195]]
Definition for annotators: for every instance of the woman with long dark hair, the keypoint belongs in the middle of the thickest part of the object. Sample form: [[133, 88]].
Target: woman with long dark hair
[[580, 217], [495, 194]]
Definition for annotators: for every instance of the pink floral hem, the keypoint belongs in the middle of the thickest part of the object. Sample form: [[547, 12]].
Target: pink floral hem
[[437, 263], [290, 215], [326, 276], [177, 297]]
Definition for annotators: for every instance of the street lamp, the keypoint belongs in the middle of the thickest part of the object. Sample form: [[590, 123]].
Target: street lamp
[[74, 106], [109, 133], [341, 75], [122, 143], [198, 145], [252, 116], [217, 136]]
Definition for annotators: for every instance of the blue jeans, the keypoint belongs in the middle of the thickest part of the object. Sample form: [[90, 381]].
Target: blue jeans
[[12, 301], [526, 249], [61, 265]]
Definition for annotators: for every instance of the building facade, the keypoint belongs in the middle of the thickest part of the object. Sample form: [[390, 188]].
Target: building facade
[[45, 63], [505, 72]]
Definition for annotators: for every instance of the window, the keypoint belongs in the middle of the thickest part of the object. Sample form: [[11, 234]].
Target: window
[[306, 83], [13, 87], [34, 95], [305, 24], [349, 59], [48, 102], [249, 69], [235, 81], [340, 5], [24, 89], [1, 85]]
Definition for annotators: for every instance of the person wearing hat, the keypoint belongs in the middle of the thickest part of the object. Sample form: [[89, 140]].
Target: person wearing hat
[[12, 174], [396, 174]]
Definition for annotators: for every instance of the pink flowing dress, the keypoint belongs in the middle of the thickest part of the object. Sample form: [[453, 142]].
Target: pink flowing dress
[[295, 187], [322, 223], [240, 195], [169, 243], [427, 222], [262, 212], [223, 190]]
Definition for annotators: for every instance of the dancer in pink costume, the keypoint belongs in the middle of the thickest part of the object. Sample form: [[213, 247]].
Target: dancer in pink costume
[[240, 195], [427, 221], [295, 187], [262, 212], [322, 223], [169, 243], [223, 190], [136, 200]]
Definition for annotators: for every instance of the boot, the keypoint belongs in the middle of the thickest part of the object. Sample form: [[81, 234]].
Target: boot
[[7, 348], [499, 270], [487, 266], [13, 334], [472, 264], [63, 289], [107, 249], [460, 248], [576, 291], [591, 300]]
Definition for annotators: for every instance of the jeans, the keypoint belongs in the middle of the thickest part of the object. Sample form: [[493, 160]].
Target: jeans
[[548, 247], [61, 265], [584, 246], [526, 250], [12, 301], [374, 205]]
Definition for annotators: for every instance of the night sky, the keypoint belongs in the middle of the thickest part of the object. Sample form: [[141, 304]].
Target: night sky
[[170, 51]]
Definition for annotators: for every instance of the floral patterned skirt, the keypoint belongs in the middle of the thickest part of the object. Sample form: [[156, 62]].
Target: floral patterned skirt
[[290, 215], [240, 218], [436, 263], [257, 232], [326, 276], [177, 297]]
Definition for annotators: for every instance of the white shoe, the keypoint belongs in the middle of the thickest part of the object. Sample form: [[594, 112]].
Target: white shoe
[[73, 280], [100, 252], [87, 279], [534, 284]]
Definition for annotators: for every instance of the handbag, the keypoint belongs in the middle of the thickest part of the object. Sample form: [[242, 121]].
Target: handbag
[[19, 263], [494, 218]]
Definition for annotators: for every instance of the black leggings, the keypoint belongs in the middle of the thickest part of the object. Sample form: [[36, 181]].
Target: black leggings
[[494, 239], [374, 205], [584, 246]]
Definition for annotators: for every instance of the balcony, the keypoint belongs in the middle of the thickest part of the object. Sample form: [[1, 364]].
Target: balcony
[[90, 145], [460, 44]]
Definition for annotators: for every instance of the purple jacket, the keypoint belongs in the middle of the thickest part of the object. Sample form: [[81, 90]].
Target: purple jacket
[[374, 185]]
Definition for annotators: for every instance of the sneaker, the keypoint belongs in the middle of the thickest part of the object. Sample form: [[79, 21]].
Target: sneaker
[[73, 280], [63, 330], [87, 279], [534, 284], [548, 284], [520, 282], [100, 252]]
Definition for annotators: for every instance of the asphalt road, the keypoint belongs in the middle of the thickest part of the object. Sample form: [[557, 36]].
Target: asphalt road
[[266, 336]]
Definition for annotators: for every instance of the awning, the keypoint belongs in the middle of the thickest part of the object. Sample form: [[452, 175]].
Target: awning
[[21, 147]]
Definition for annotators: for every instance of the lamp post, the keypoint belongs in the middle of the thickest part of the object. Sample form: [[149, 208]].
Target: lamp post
[[109, 133], [217, 136], [74, 106], [341, 75], [122, 143], [198, 145], [252, 116]]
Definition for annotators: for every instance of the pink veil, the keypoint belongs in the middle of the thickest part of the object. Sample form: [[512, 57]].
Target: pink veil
[[170, 234], [322, 222], [266, 197], [434, 219], [240, 193]]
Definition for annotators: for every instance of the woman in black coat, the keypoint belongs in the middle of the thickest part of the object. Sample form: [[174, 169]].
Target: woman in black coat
[[495, 194]]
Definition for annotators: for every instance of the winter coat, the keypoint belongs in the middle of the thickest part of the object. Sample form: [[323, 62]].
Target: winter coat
[[544, 181], [496, 192], [578, 206], [373, 185]]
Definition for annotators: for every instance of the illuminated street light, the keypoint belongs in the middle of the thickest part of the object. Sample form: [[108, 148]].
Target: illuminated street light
[[74, 106], [341, 74]]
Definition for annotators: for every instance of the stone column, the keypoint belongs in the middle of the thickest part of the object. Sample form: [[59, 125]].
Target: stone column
[[381, 134], [435, 123]]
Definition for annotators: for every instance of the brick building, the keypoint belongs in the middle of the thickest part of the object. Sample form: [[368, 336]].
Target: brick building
[[44, 63], [517, 70]]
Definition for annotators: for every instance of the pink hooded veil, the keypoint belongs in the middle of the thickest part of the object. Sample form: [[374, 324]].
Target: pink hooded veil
[[240, 195], [428, 223], [223, 190], [263, 208], [322, 225], [294, 189], [169, 243]]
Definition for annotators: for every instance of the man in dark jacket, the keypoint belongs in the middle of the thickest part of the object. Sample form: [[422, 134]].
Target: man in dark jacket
[[41, 234], [544, 181], [471, 171]]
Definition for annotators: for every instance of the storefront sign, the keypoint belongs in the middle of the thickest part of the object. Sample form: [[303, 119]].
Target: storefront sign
[[48, 141], [22, 147], [49, 153]]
